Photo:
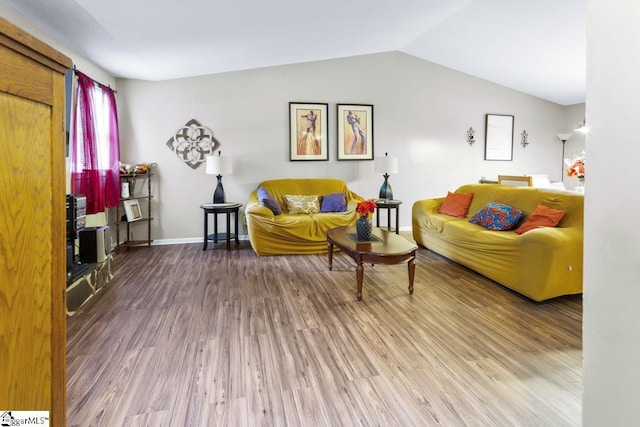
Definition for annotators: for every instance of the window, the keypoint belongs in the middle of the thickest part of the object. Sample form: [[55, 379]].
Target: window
[[95, 147]]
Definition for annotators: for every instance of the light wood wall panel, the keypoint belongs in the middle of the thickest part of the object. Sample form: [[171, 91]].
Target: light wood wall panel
[[32, 225]]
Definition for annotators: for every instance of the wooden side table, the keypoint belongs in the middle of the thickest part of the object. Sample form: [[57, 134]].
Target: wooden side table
[[220, 208], [389, 205]]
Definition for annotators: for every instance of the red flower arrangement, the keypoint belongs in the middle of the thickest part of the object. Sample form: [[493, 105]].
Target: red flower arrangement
[[366, 207]]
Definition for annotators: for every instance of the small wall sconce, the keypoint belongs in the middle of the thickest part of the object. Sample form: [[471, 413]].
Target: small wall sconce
[[582, 127], [471, 136], [524, 139]]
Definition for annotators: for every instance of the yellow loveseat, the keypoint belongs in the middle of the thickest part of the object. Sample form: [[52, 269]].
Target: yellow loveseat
[[540, 264], [288, 233]]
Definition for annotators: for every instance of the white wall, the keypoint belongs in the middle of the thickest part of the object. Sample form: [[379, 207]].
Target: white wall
[[611, 378], [421, 113]]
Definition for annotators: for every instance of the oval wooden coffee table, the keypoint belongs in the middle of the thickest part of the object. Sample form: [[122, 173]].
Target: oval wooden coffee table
[[383, 248]]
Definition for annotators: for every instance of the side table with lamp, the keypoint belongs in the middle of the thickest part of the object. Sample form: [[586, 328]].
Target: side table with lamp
[[218, 165], [387, 165]]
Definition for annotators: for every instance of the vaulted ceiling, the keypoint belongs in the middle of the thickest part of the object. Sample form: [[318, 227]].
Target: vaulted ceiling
[[537, 47]]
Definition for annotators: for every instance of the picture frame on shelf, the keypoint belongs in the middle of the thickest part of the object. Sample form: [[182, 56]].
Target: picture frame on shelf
[[132, 210], [498, 140], [308, 131], [355, 131]]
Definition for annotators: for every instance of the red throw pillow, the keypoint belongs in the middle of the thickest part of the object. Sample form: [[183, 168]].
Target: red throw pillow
[[543, 216], [456, 204]]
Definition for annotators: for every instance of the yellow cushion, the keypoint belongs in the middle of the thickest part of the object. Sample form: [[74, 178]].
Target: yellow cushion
[[297, 204]]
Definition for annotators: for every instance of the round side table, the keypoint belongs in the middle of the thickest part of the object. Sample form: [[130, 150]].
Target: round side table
[[389, 205], [227, 209]]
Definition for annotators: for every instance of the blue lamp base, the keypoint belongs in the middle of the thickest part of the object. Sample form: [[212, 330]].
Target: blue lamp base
[[385, 191], [218, 194]]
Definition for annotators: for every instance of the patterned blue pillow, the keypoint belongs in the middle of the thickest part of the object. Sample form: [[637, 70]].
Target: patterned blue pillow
[[269, 201], [497, 216], [335, 202]]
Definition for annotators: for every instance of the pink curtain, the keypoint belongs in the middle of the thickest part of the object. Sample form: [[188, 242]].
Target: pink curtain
[[95, 168]]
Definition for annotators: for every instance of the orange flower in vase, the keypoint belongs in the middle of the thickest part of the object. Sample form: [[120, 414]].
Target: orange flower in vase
[[366, 208], [363, 224], [576, 168]]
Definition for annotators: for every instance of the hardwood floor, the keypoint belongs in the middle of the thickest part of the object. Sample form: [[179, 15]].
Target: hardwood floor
[[185, 337]]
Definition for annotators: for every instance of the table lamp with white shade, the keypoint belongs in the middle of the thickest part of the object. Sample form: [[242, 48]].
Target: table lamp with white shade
[[386, 165], [219, 165]]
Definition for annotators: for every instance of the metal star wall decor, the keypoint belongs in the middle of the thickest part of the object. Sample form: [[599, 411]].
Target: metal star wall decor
[[192, 143]]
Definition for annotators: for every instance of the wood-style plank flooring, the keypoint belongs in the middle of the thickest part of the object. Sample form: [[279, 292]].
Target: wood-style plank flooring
[[185, 337]]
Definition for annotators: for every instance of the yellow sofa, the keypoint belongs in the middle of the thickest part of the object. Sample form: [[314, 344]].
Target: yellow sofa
[[287, 233], [540, 264]]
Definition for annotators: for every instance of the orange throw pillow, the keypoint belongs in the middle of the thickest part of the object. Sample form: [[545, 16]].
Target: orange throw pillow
[[543, 216], [456, 204]]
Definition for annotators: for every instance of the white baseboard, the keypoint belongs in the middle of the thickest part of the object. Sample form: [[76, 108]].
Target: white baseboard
[[184, 240]]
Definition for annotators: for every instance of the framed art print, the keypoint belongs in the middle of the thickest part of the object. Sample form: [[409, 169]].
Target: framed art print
[[355, 132], [132, 209], [308, 138], [498, 140]]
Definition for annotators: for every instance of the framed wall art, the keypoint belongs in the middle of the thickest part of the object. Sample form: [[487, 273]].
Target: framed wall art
[[308, 137], [355, 132], [498, 140], [192, 143]]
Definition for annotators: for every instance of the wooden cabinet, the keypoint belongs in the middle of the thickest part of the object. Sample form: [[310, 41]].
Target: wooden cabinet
[[135, 225], [32, 225]]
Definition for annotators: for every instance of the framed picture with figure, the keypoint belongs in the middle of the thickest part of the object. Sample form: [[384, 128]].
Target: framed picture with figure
[[308, 138], [355, 132]]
